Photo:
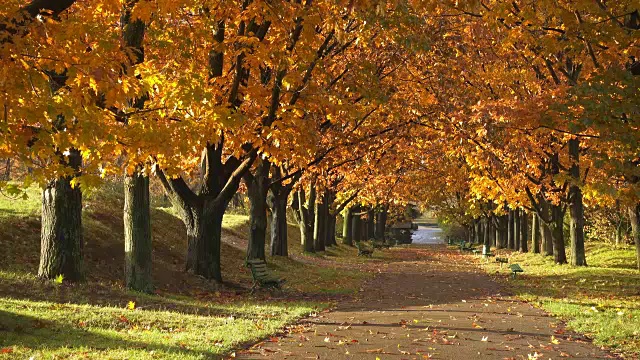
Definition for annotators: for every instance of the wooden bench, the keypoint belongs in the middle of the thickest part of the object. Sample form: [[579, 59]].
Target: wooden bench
[[381, 245], [261, 276], [463, 247], [362, 251], [476, 251], [515, 268]]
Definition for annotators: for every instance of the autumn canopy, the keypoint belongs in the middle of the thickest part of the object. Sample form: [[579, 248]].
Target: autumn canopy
[[489, 113]]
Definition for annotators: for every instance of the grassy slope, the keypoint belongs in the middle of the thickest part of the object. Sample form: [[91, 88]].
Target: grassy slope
[[188, 317], [602, 300]]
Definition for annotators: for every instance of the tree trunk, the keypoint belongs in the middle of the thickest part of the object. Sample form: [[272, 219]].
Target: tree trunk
[[535, 233], [61, 247], [381, 224], [480, 230], [557, 234], [295, 205], [277, 202], [356, 226], [320, 225], [371, 223], [331, 231], [502, 232], [7, 170], [546, 240], [516, 229], [578, 257], [510, 231], [634, 217], [486, 249], [204, 234], [137, 233], [524, 231], [307, 216], [257, 188], [330, 238], [347, 237]]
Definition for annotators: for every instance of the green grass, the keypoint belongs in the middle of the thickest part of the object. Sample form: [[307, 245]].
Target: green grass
[[35, 329], [601, 300], [18, 206], [188, 317]]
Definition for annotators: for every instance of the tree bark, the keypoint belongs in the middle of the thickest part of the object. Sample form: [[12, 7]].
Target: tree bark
[[330, 238], [502, 231], [480, 231], [61, 238], [634, 217], [516, 229], [557, 234], [137, 208], [381, 224], [204, 234], [486, 249], [545, 231], [535, 233], [578, 257], [510, 231], [257, 189], [347, 237], [524, 231], [371, 225], [331, 231], [202, 213], [320, 225], [277, 202], [137, 233], [356, 226], [307, 217]]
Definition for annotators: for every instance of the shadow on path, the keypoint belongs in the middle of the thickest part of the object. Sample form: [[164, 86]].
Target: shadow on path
[[434, 305]]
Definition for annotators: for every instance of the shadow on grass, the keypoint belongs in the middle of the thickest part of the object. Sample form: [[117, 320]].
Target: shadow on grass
[[580, 283], [38, 334]]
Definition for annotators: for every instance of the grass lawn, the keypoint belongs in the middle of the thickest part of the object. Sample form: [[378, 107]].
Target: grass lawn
[[187, 317], [601, 300]]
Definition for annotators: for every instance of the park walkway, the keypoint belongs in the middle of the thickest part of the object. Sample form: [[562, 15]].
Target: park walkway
[[428, 302]]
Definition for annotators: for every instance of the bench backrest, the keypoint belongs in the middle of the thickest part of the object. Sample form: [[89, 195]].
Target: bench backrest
[[258, 268]]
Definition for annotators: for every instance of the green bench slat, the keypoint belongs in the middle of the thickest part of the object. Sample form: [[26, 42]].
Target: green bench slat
[[261, 274], [516, 268]]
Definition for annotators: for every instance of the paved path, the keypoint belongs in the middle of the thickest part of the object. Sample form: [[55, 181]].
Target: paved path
[[428, 303], [427, 235]]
